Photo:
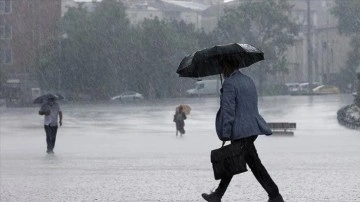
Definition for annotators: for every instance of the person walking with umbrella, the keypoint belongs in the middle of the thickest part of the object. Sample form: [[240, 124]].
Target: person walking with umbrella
[[51, 111], [179, 119], [238, 119]]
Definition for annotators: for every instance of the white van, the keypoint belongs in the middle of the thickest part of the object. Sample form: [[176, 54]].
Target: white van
[[205, 87]]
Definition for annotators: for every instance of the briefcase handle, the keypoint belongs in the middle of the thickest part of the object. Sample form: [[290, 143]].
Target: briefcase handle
[[223, 143]]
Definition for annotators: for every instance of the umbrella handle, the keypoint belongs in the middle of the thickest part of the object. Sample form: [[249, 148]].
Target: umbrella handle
[[221, 82]]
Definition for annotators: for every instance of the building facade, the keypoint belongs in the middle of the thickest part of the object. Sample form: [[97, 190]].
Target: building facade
[[24, 26], [187, 11], [328, 48]]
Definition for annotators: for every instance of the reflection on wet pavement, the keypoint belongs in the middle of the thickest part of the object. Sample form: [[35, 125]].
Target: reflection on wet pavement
[[128, 152]]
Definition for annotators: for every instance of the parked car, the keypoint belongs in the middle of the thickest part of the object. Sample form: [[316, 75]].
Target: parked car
[[326, 89], [205, 87], [292, 87], [128, 96], [303, 88]]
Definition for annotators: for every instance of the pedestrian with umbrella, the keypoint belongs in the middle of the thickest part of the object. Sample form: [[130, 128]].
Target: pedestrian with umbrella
[[238, 119], [51, 111], [44, 98], [179, 118]]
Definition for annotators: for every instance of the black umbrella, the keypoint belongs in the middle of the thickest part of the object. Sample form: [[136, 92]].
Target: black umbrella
[[210, 61], [43, 98]]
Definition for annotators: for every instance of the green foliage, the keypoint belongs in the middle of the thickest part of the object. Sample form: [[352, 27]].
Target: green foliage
[[91, 53], [2, 77], [3, 69], [275, 89], [353, 55], [102, 55], [265, 24], [48, 65], [348, 14], [162, 46], [357, 99]]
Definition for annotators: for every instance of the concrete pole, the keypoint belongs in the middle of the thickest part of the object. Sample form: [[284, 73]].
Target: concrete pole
[[309, 47], [357, 99], [60, 63]]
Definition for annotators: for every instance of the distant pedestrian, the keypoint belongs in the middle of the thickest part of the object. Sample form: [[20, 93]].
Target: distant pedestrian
[[51, 111], [179, 118], [238, 120]]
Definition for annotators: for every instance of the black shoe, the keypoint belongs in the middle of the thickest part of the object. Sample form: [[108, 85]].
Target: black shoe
[[49, 151], [212, 197], [278, 198]]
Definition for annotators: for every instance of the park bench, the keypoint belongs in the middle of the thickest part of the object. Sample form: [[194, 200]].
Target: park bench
[[282, 128]]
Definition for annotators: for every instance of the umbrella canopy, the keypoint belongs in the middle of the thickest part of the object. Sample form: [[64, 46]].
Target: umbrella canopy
[[186, 109], [210, 61], [43, 98]]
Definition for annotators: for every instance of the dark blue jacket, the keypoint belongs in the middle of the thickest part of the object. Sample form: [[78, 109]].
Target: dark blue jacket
[[238, 116]]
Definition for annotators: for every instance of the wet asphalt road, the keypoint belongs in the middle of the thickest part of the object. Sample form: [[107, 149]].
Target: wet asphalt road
[[129, 152]]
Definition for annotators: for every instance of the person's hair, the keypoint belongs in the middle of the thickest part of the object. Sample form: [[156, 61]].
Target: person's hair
[[228, 64], [180, 109]]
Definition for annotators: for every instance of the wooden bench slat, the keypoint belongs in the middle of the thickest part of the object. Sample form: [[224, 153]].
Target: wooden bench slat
[[282, 125]]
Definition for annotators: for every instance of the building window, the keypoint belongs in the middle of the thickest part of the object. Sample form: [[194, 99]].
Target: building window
[[5, 31], [6, 56], [5, 6]]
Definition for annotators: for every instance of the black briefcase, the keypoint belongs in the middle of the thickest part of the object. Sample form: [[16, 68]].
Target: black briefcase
[[228, 160]]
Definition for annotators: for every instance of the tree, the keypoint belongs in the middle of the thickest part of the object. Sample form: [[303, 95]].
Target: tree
[[102, 55], [348, 14], [2, 74], [162, 44], [266, 25], [47, 65], [88, 59]]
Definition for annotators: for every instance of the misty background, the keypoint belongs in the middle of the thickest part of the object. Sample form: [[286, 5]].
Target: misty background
[[93, 50], [90, 51]]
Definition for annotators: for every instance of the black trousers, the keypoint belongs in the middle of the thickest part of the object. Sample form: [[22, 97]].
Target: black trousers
[[257, 168], [180, 127], [50, 136]]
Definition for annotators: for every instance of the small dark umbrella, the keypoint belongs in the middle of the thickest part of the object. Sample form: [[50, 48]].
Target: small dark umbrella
[[43, 98], [209, 61]]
